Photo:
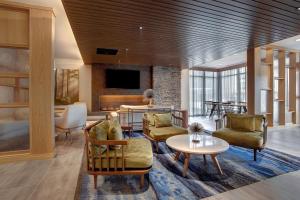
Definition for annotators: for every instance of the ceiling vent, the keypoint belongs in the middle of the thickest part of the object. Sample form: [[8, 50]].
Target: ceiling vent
[[103, 51]]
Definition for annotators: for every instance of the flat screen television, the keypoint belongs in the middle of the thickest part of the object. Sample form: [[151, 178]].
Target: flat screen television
[[121, 78]]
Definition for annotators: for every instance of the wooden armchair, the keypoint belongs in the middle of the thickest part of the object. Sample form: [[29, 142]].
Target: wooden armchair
[[161, 134], [129, 159]]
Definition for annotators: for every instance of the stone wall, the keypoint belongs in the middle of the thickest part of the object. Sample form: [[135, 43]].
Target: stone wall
[[167, 86]]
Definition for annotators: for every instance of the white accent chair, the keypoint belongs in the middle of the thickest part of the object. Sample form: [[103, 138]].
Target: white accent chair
[[73, 118]]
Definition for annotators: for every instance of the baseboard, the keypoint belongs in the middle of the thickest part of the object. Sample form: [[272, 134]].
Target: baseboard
[[15, 157]]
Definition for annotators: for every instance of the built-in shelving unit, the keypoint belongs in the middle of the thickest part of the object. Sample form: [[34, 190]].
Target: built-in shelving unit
[[292, 86], [269, 106], [281, 87]]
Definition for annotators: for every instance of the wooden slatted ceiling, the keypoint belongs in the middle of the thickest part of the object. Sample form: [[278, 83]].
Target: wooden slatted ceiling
[[184, 33]]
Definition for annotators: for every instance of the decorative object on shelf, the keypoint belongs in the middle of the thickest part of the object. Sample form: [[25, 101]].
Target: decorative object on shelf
[[196, 130], [149, 94]]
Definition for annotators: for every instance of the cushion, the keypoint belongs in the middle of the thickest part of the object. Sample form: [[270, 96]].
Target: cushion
[[162, 120], [245, 123], [150, 117], [115, 133], [99, 132], [164, 133], [138, 155], [251, 139], [259, 123]]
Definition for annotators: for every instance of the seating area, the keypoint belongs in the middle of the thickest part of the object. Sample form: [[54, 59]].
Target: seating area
[[129, 99]]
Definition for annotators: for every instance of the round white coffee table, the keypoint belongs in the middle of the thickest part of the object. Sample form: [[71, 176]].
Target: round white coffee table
[[208, 145]]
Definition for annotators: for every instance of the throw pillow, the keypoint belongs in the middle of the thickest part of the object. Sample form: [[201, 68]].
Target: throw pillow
[[244, 123], [150, 117], [99, 132], [115, 133], [162, 120]]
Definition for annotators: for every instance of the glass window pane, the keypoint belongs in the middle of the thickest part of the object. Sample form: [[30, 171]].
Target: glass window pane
[[14, 129]]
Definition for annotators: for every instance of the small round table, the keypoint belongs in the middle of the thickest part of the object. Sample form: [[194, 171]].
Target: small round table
[[207, 145]]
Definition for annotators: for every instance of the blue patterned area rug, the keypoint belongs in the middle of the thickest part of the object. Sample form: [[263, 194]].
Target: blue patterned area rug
[[165, 180]]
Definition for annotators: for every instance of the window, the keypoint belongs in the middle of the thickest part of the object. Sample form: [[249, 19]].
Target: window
[[234, 85], [229, 85], [203, 87]]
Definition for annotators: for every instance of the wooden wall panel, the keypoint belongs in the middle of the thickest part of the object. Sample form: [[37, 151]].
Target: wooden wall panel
[[41, 82], [281, 87], [98, 82], [14, 31], [292, 86]]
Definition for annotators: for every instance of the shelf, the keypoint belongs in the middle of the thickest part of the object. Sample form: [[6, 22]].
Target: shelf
[[280, 100], [14, 86], [266, 64], [266, 89], [279, 78], [266, 113], [291, 111], [13, 105], [14, 75]]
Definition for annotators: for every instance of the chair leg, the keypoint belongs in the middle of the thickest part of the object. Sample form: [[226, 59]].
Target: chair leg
[[95, 181], [254, 153], [142, 180], [156, 143]]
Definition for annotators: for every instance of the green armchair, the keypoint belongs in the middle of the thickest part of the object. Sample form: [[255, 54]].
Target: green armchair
[[106, 156], [248, 131], [158, 127]]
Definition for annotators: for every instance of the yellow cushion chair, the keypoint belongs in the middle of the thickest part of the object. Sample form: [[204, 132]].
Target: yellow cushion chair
[[108, 153], [158, 127], [248, 131]]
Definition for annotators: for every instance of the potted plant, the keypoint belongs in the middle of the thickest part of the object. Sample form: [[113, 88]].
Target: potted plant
[[148, 95], [196, 129]]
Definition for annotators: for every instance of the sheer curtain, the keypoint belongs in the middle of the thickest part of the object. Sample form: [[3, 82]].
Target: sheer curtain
[[203, 87], [234, 85]]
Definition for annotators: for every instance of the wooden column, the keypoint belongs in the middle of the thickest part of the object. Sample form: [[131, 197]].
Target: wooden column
[[253, 96], [269, 89], [292, 86], [41, 83], [251, 80], [281, 87]]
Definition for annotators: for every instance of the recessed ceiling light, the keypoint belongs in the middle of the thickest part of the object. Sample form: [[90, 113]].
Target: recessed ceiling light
[[141, 28], [298, 8], [298, 40]]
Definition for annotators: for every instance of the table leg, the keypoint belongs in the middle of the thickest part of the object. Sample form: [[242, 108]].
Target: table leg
[[216, 163], [186, 164], [219, 110], [212, 110], [177, 155], [204, 158]]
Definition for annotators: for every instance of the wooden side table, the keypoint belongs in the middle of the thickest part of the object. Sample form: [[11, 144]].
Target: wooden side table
[[127, 128]]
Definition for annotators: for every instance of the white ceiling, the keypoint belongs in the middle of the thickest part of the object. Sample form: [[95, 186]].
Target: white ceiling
[[289, 43], [239, 58], [234, 59], [65, 43]]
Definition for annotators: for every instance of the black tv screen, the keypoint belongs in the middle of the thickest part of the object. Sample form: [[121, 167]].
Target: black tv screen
[[125, 79]]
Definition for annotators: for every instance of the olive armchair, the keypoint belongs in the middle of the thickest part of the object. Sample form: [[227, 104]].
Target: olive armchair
[[248, 131]]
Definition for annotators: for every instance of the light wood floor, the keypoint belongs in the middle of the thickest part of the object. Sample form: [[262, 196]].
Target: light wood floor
[[57, 178], [53, 179]]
